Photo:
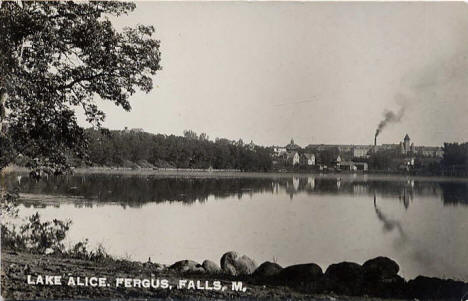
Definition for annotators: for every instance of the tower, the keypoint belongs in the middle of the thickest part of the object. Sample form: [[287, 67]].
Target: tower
[[407, 143]]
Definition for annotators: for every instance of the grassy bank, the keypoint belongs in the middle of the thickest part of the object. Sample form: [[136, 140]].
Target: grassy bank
[[17, 265]]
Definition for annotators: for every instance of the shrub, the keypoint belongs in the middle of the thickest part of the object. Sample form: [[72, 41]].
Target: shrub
[[80, 251], [41, 236]]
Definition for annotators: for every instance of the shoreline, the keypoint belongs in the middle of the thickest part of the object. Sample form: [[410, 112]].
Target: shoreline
[[199, 173], [342, 281]]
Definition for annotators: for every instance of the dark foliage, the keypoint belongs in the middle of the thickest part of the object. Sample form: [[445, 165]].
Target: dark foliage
[[56, 56], [329, 156], [36, 236], [455, 160], [384, 159], [136, 148]]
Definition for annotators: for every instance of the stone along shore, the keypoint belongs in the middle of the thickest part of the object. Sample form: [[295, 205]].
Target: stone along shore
[[377, 278]]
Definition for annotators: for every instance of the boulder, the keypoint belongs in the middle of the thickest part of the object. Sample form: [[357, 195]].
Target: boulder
[[235, 265], [344, 278], [344, 271], [435, 288], [393, 287], [211, 267], [187, 266], [300, 273], [381, 278], [267, 270], [380, 268]]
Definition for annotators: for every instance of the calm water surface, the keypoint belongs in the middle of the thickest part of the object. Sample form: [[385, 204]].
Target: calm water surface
[[422, 223]]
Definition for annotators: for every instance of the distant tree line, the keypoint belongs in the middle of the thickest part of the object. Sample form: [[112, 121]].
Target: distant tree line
[[135, 148], [455, 160]]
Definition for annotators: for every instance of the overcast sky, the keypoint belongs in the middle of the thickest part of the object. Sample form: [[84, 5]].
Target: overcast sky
[[315, 72]]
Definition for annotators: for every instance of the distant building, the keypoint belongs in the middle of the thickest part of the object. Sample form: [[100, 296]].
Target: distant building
[[353, 166], [292, 146], [361, 166], [347, 165], [279, 151], [350, 151], [388, 146], [307, 159], [361, 151], [429, 151], [406, 146], [337, 161], [293, 158]]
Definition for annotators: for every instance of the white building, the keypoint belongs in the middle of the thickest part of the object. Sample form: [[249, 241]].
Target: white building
[[293, 158], [308, 159]]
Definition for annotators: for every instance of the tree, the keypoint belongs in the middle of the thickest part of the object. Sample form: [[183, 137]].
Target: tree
[[455, 159], [384, 159], [57, 56], [328, 156], [455, 154]]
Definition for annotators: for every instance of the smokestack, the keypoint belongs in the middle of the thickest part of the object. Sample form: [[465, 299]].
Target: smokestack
[[389, 117]]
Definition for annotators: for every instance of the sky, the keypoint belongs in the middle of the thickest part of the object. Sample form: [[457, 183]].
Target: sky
[[316, 72]]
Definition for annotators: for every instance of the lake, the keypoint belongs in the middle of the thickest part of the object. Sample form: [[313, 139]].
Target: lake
[[422, 223]]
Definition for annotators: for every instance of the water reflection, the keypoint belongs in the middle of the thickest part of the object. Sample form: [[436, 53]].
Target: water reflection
[[330, 218], [134, 191], [388, 223], [454, 193]]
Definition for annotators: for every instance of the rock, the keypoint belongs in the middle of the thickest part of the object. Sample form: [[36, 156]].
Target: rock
[[393, 287], [380, 268], [211, 267], [381, 278], [300, 272], [187, 266], [234, 265], [344, 271], [435, 288], [267, 269], [344, 278]]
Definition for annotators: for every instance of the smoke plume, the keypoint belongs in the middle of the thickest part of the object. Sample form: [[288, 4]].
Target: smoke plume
[[390, 117]]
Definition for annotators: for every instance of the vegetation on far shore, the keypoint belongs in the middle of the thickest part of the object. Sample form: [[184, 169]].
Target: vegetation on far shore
[[130, 148], [136, 149]]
